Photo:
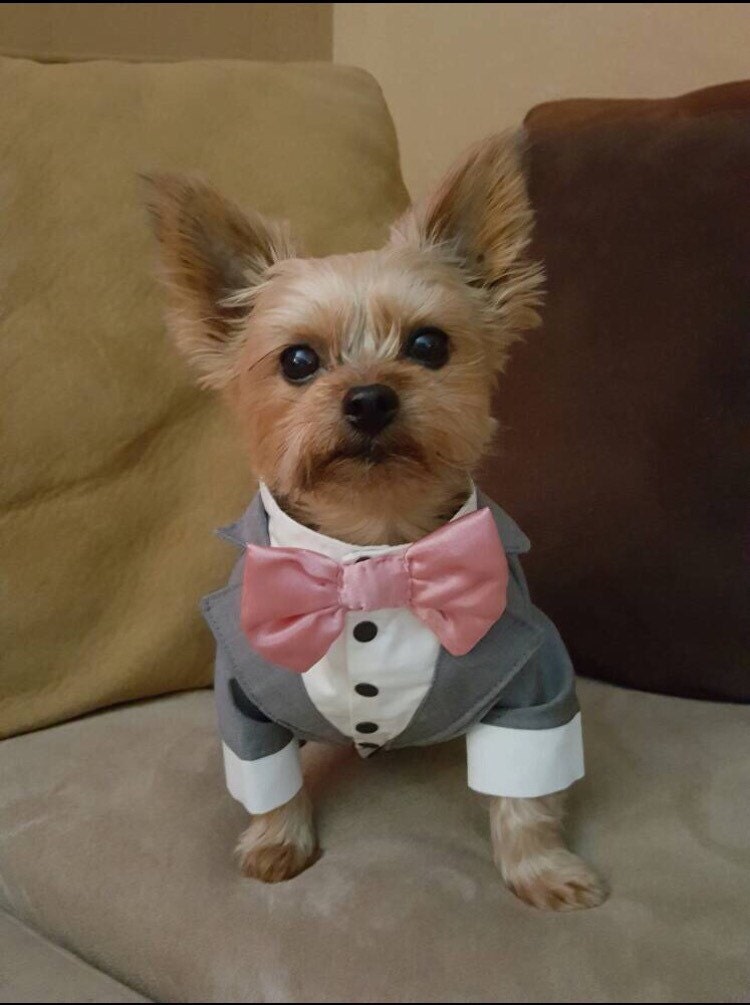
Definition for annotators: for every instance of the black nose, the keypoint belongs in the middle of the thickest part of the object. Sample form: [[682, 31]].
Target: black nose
[[370, 408]]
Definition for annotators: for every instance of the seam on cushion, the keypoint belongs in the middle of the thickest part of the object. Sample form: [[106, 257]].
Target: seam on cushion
[[64, 950]]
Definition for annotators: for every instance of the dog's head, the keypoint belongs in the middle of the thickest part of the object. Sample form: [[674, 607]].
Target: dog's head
[[362, 377]]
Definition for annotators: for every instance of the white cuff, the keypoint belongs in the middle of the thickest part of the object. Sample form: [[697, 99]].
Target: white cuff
[[264, 784], [524, 763]]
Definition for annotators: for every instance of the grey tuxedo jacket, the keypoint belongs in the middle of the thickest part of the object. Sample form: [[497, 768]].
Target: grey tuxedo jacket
[[519, 675]]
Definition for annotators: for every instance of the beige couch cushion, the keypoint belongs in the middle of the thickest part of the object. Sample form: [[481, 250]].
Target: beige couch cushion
[[115, 470], [36, 970], [116, 838]]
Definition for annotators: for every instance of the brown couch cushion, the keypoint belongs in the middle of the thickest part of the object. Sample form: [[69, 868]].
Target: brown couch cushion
[[115, 469], [626, 456], [116, 837], [561, 115]]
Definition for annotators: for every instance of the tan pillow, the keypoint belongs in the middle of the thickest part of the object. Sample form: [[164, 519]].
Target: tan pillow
[[114, 469]]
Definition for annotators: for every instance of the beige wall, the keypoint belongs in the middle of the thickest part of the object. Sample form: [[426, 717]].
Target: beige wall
[[454, 72], [451, 72], [292, 31]]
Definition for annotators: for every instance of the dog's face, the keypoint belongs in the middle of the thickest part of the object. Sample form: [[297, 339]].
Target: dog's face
[[368, 372], [362, 382]]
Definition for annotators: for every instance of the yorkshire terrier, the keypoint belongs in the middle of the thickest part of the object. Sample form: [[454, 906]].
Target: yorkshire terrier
[[362, 384]]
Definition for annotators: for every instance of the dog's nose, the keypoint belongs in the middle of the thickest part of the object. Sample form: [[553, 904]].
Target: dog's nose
[[370, 408]]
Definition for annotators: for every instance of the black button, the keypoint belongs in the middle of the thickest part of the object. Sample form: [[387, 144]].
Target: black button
[[366, 690], [367, 727], [365, 631]]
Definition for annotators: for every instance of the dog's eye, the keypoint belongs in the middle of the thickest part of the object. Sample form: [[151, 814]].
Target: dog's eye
[[298, 362], [428, 346]]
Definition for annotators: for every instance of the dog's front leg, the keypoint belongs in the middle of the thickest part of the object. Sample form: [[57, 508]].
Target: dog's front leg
[[279, 844], [529, 851]]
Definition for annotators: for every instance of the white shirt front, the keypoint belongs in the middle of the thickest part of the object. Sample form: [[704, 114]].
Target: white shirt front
[[379, 669], [370, 684]]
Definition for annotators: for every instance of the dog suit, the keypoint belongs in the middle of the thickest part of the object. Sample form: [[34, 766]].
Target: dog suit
[[386, 682]]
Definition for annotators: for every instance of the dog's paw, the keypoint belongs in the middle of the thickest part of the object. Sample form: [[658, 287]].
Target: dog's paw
[[273, 863], [557, 881], [280, 844]]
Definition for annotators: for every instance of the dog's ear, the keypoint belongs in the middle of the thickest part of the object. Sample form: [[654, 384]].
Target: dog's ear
[[212, 255], [480, 215]]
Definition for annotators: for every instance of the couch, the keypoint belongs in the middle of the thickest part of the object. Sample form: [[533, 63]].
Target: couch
[[116, 832]]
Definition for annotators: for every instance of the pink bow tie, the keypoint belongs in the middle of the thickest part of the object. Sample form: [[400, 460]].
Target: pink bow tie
[[454, 580]]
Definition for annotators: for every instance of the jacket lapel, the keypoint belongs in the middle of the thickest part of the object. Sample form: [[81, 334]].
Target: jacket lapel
[[514, 540], [465, 687], [277, 692]]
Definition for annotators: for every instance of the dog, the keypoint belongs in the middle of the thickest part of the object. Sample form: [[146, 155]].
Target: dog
[[362, 385]]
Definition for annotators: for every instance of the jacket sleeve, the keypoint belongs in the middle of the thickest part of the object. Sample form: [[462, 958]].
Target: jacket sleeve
[[530, 743], [261, 758]]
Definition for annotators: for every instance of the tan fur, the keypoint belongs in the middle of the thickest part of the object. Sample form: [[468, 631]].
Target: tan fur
[[238, 297], [209, 250], [356, 311], [280, 844], [529, 851]]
